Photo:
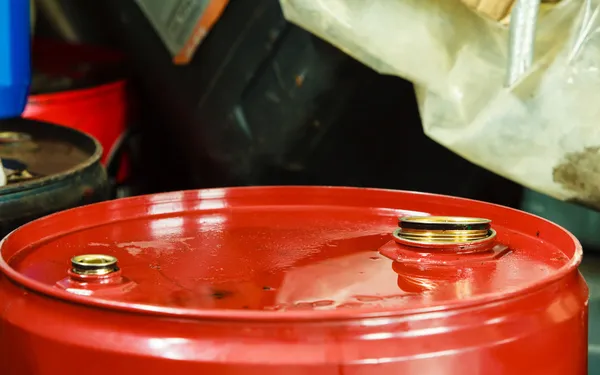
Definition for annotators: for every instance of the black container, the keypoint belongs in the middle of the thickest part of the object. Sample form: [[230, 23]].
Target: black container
[[54, 168]]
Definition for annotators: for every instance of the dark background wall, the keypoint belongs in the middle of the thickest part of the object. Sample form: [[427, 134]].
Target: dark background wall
[[264, 102]]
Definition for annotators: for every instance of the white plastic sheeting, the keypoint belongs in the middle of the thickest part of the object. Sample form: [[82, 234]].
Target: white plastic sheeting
[[542, 132]]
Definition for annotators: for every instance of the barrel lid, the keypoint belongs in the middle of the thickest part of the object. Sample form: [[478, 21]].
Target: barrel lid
[[284, 252], [34, 152]]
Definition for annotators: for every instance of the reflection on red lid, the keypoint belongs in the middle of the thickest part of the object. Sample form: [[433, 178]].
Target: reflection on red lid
[[284, 250]]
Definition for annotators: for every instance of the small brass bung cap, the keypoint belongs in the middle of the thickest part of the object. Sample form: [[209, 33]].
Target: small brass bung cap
[[432, 231], [94, 264]]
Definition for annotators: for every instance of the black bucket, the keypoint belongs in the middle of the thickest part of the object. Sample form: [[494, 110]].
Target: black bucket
[[49, 168]]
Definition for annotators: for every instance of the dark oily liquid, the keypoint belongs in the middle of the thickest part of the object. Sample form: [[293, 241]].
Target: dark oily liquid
[[44, 157]]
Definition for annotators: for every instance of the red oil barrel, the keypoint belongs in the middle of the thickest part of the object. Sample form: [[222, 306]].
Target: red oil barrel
[[292, 280], [82, 87]]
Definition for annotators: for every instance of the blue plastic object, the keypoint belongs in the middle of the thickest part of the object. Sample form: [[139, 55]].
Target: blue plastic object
[[15, 64]]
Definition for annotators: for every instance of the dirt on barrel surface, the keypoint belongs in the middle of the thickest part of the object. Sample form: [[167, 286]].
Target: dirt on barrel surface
[[579, 172]]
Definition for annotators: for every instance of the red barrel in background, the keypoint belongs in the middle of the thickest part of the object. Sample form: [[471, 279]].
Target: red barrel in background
[[292, 280], [83, 87]]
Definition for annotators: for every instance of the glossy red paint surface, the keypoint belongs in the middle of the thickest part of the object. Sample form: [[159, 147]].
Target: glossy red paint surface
[[290, 281]]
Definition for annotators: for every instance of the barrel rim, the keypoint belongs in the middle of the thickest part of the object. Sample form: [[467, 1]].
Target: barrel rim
[[94, 158], [294, 316], [79, 94]]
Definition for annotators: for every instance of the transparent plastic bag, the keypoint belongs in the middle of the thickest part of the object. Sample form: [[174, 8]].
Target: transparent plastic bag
[[542, 132]]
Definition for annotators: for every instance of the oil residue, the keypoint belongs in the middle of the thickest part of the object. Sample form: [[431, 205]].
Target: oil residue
[[297, 262], [356, 280], [43, 157], [579, 172], [333, 276], [348, 281]]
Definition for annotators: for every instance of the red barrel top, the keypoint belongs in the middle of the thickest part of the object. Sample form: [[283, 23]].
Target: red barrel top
[[285, 253]]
